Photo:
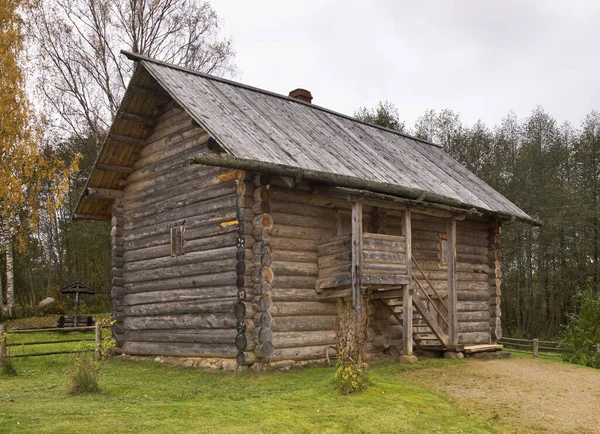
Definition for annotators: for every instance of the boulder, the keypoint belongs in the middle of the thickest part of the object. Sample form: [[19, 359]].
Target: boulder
[[48, 301], [408, 359], [453, 355]]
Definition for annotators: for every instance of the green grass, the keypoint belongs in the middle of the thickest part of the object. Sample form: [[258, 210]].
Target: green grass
[[143, 396]]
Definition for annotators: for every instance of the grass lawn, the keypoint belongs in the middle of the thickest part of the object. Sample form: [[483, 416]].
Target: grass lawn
[[143, 396]]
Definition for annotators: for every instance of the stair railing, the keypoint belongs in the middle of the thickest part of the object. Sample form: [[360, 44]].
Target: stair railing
[[430, 301]]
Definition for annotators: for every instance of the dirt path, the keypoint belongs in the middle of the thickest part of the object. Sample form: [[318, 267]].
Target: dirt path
[[537, 395]]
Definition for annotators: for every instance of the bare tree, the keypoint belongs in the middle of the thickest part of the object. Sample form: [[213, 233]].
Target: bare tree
[[77, 42]]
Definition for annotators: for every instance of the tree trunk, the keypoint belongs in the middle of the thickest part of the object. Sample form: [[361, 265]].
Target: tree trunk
[[10, 277]]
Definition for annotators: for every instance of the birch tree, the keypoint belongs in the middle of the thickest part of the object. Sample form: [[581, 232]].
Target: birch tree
[[22, 166]]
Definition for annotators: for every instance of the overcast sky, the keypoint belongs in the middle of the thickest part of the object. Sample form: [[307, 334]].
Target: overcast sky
[[480, 58]]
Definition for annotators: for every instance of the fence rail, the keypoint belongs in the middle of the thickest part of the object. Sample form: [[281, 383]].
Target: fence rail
[[97, 340], [550, 348]]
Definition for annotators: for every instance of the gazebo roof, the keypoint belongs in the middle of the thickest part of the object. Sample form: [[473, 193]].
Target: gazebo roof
[[77, 287]]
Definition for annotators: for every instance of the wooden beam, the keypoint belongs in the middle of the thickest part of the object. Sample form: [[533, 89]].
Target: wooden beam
[[114, 168], [144, 120], [407, 296], [128, 140], [80, 216], [103, 193], [452, 292], [357, 260], [150, 94]]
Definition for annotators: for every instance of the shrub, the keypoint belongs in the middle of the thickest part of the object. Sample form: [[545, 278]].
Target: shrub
[[7, 367], [84, 375], [351, 339], [52, 309], [583, 332]]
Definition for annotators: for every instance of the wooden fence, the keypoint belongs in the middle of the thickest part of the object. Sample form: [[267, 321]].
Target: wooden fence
[[4, 344], [532, 346]]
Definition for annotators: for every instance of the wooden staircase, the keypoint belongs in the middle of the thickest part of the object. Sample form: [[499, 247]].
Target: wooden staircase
[[430, 313]]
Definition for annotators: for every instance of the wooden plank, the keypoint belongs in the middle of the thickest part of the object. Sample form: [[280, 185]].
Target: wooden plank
[[407, 315], [53, 330], [470, 349], [144, 120], [114, 168], [452, 291], [149, 94], [135, 141]]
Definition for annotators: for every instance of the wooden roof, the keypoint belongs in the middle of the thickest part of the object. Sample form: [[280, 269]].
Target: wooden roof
[[255, 125]]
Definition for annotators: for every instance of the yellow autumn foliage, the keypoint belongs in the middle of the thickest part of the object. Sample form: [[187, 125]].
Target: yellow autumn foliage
[[24, 170]]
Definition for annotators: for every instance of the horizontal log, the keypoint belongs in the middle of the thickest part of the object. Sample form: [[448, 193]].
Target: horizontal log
[[472, 316], [172, 164], [223, 305], [134, 141], [190, 245], [196, 227], [291, 207], [304, 339], [205, 336], [339, 244], [179, 349], [467, 327], [294, 244], [335, 260], [294, 268], [302, 308], [293, 294], [199, 257], [210, 279], [184, 295], [294, 282], [164, 210], [179, 123], [379, 257], [143, 92], [304, 323], [474, 338], [144, 120], [284, 218], [284, 231], [294, 256], [337, 280], [172, 145], [165, 188], [194, 322], [102, 193], [84, 216], [472, 306], [473, 295], [114, 168], [196, 269]]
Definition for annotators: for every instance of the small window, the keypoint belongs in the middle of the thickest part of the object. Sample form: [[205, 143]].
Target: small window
[[443, 249], [177, 240]]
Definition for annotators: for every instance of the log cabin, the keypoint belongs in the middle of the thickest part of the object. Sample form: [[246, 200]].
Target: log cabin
[[242, 219]]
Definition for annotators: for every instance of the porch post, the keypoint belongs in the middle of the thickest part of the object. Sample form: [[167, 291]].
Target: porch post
[[407, 296], [357, 259], [452, 298]]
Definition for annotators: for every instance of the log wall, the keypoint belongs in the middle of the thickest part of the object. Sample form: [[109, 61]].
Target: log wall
[[178, 305], [302, 326]]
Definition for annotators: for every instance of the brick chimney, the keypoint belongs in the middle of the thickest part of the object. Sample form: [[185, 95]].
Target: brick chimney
[[301, 94]]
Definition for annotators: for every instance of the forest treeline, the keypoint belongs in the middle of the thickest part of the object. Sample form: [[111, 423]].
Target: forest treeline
[[550, 170]]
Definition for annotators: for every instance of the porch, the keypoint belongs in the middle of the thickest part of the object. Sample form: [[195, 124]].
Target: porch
[[381, 268]]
